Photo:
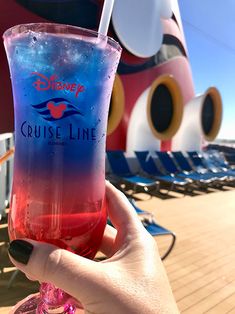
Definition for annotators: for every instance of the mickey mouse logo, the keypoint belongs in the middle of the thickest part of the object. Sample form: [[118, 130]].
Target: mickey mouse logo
[[56, 109]]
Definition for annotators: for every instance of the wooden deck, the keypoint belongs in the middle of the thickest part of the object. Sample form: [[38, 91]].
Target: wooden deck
[[201, 268]]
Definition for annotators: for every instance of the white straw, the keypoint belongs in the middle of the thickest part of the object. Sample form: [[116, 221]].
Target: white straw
[[105, 17]]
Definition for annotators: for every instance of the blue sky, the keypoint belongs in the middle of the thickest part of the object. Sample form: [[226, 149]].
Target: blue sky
[[209, 28]]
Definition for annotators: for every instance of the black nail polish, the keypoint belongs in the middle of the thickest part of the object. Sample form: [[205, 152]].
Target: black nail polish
[[20, 250]]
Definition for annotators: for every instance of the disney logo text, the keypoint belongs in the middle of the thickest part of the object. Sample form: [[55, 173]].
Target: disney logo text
[[44, 83]]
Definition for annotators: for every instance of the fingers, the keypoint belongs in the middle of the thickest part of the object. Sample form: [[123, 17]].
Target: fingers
[[121, 212], [64, 269], [30, 278], [73, 273], [107, 245]]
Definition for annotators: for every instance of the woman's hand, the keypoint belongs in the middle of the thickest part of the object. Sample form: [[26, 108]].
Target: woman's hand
[[132, 280]]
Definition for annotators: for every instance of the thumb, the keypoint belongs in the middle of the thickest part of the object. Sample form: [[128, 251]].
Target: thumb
[[72, 273]]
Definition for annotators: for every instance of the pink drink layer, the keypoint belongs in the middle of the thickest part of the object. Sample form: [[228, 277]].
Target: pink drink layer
[[80, 233]]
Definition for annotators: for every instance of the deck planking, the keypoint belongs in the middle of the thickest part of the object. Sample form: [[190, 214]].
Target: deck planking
[[201, 267]]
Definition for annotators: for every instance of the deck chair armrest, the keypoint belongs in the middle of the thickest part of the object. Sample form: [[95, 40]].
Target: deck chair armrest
[[200, 169], [170, 247], [6, 156]]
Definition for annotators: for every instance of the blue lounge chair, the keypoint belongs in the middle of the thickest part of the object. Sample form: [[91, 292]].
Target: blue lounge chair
[[121, 173], [155, 229], [150, 167], [152, 227], [219, 159], [170, 166], [201, 166], [218, 164], [187, 170]]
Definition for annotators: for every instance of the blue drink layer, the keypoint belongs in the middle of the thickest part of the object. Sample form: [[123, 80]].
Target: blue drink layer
[[62, 87]]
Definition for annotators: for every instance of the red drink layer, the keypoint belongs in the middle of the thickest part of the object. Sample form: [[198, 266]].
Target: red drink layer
[[80, 233]]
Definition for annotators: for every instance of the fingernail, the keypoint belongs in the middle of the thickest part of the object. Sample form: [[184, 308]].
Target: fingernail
[[20, 250]]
